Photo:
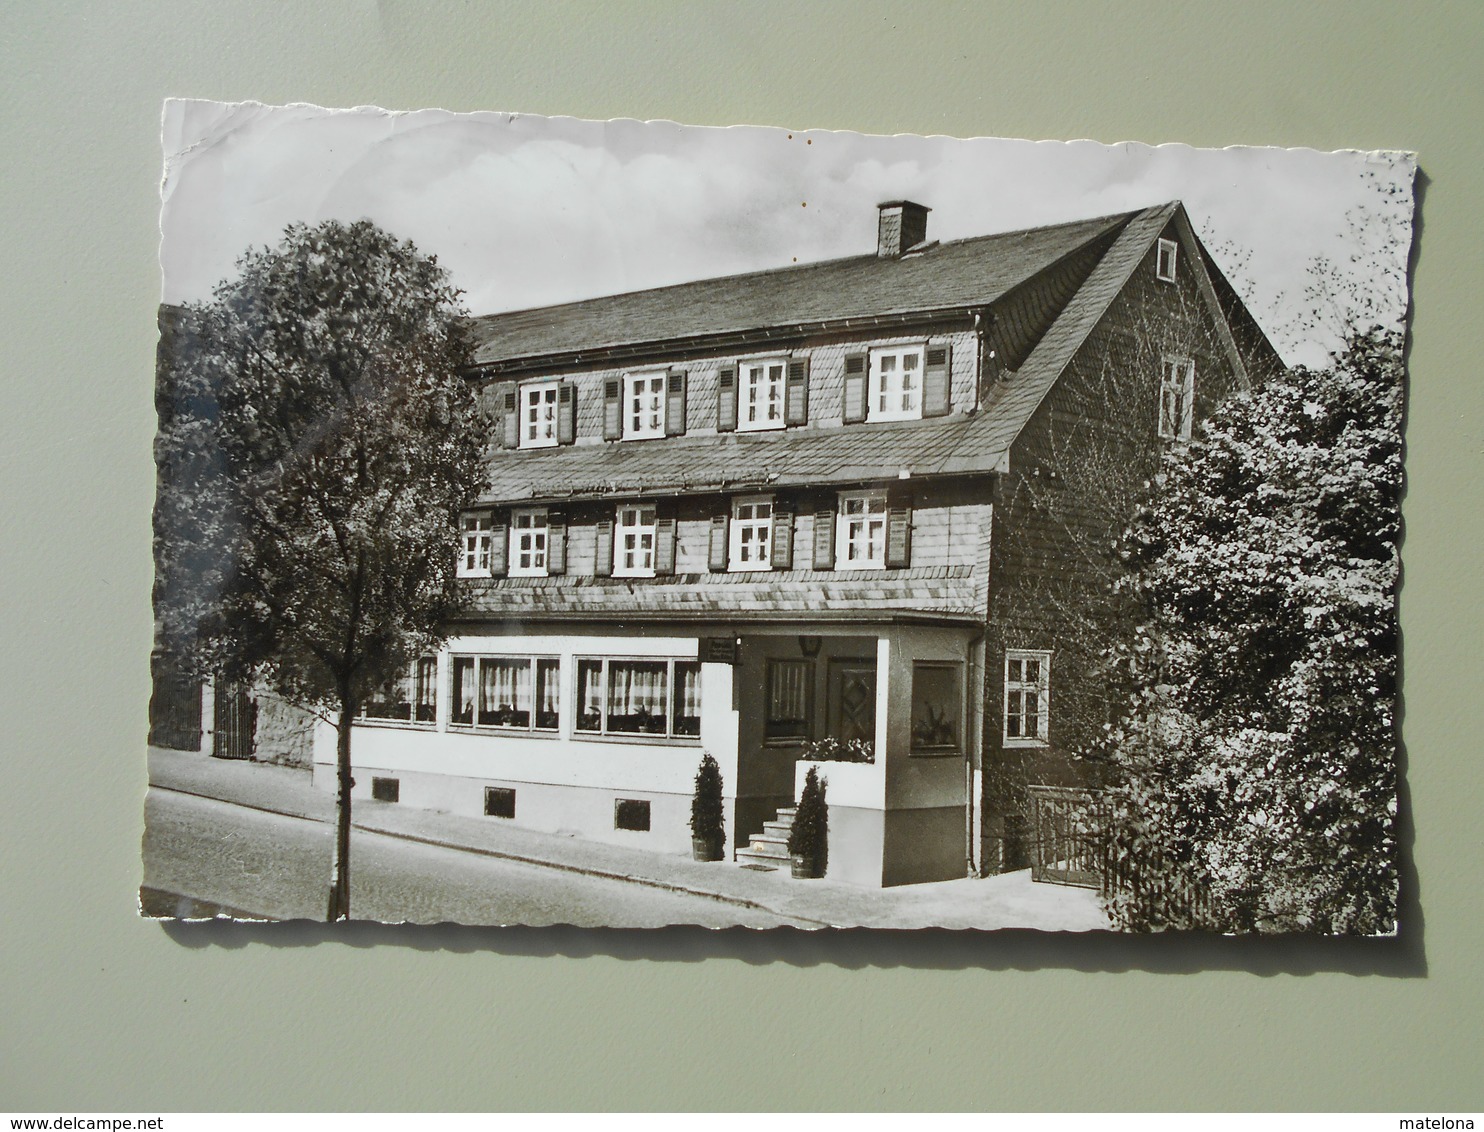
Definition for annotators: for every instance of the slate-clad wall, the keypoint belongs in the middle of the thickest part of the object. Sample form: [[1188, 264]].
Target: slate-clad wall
[[826, 380], [1075, 472]]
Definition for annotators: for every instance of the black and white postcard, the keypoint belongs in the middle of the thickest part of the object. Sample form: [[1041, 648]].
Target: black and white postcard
[[632, 524]]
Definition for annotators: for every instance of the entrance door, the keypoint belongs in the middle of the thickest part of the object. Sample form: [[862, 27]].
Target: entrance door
[[852, 700]]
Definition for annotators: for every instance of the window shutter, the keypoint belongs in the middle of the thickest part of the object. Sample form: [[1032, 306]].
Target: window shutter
[[720, 537], [556, 541], [512, 418], [726, 399], [566, 413], [675, 383], [937, 383], [603, 567], [612, 409], [499, 543], [898, 532], [855, 388], [664, 539], [824, 538], [796, 396], [783, 540], [1187, 402]]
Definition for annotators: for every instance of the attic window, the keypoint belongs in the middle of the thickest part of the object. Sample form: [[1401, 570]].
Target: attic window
[[1164, 261]]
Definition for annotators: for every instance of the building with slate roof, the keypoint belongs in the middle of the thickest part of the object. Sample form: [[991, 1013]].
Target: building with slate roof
[[848, 501]]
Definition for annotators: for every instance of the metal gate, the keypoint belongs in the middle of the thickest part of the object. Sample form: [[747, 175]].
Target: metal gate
[[236, 718], [1065, 845]]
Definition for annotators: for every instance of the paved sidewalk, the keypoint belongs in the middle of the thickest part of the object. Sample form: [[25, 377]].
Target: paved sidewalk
[[1011, 900]]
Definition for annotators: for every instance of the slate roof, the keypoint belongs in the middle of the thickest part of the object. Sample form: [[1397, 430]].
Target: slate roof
[[932, 593], [943, 276], [959, 444]]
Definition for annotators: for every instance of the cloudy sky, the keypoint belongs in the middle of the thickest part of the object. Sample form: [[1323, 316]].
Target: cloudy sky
[[524, 210]]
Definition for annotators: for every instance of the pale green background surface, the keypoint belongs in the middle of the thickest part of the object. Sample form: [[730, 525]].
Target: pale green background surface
[[104, 1012]]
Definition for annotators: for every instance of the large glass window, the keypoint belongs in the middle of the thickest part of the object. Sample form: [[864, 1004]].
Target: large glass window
[[512, 693], [752, 533], [937, 706], [411, 697], [639, 697], [477, 529], [1027, 696], [643, 406], [528, 542], [538, 414], [896, 384], [762, 393], [633, 542], [860, 537]]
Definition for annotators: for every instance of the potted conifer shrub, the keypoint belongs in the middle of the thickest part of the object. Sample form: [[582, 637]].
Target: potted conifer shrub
[[707, 817], [808, 837]]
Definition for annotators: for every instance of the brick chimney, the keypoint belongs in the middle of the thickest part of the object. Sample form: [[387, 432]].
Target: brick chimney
[[902, 225]]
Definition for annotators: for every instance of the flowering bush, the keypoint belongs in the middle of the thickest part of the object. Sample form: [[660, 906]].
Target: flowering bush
[[832, 750]]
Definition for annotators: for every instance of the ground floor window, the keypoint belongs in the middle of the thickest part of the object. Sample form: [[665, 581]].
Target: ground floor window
[[411, 697], [852, 700], [1027, 695], [511, 693], [639, 697], [937, 706], [790, 684]]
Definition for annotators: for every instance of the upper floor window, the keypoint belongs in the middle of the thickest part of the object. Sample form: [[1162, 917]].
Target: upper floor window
[[763, 390], [860, 533], [1164, 260], [1027, 697], [538, 414], [1176, 398], [752, 533], [477, 535], [411, 696], [633, 541], [528, 542], [643, 405], [896, 384]]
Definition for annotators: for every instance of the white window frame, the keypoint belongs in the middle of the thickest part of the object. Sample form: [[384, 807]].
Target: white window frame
[[1017, 689], [745, 521], [539, 406], [476, 544], [904, 398], [420, 676], [1166, 257], [1176, 395], [534, 665], [853, 530], [529, 542], [762, 387], [629, 520], [643, 405], [672, 688]]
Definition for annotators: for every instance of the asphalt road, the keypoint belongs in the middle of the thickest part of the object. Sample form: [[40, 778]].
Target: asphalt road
[[278, 867]]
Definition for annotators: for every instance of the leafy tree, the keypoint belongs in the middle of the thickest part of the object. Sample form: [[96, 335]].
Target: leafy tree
[[1258, 761], [318, 445]]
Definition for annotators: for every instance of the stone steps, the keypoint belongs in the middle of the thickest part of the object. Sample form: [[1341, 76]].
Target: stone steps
[[769, 849]]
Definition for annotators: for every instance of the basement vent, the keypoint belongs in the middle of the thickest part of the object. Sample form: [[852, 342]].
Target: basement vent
[[631, 813], [499, 802], [386, 789]]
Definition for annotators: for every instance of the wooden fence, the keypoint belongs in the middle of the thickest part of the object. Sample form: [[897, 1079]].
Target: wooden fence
[[1068, 847]]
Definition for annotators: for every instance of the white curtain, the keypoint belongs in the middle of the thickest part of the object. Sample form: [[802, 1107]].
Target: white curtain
[[504, 684], [636, 687]]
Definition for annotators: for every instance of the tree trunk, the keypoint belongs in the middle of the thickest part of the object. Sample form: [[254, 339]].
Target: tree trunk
[[339, 906]]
